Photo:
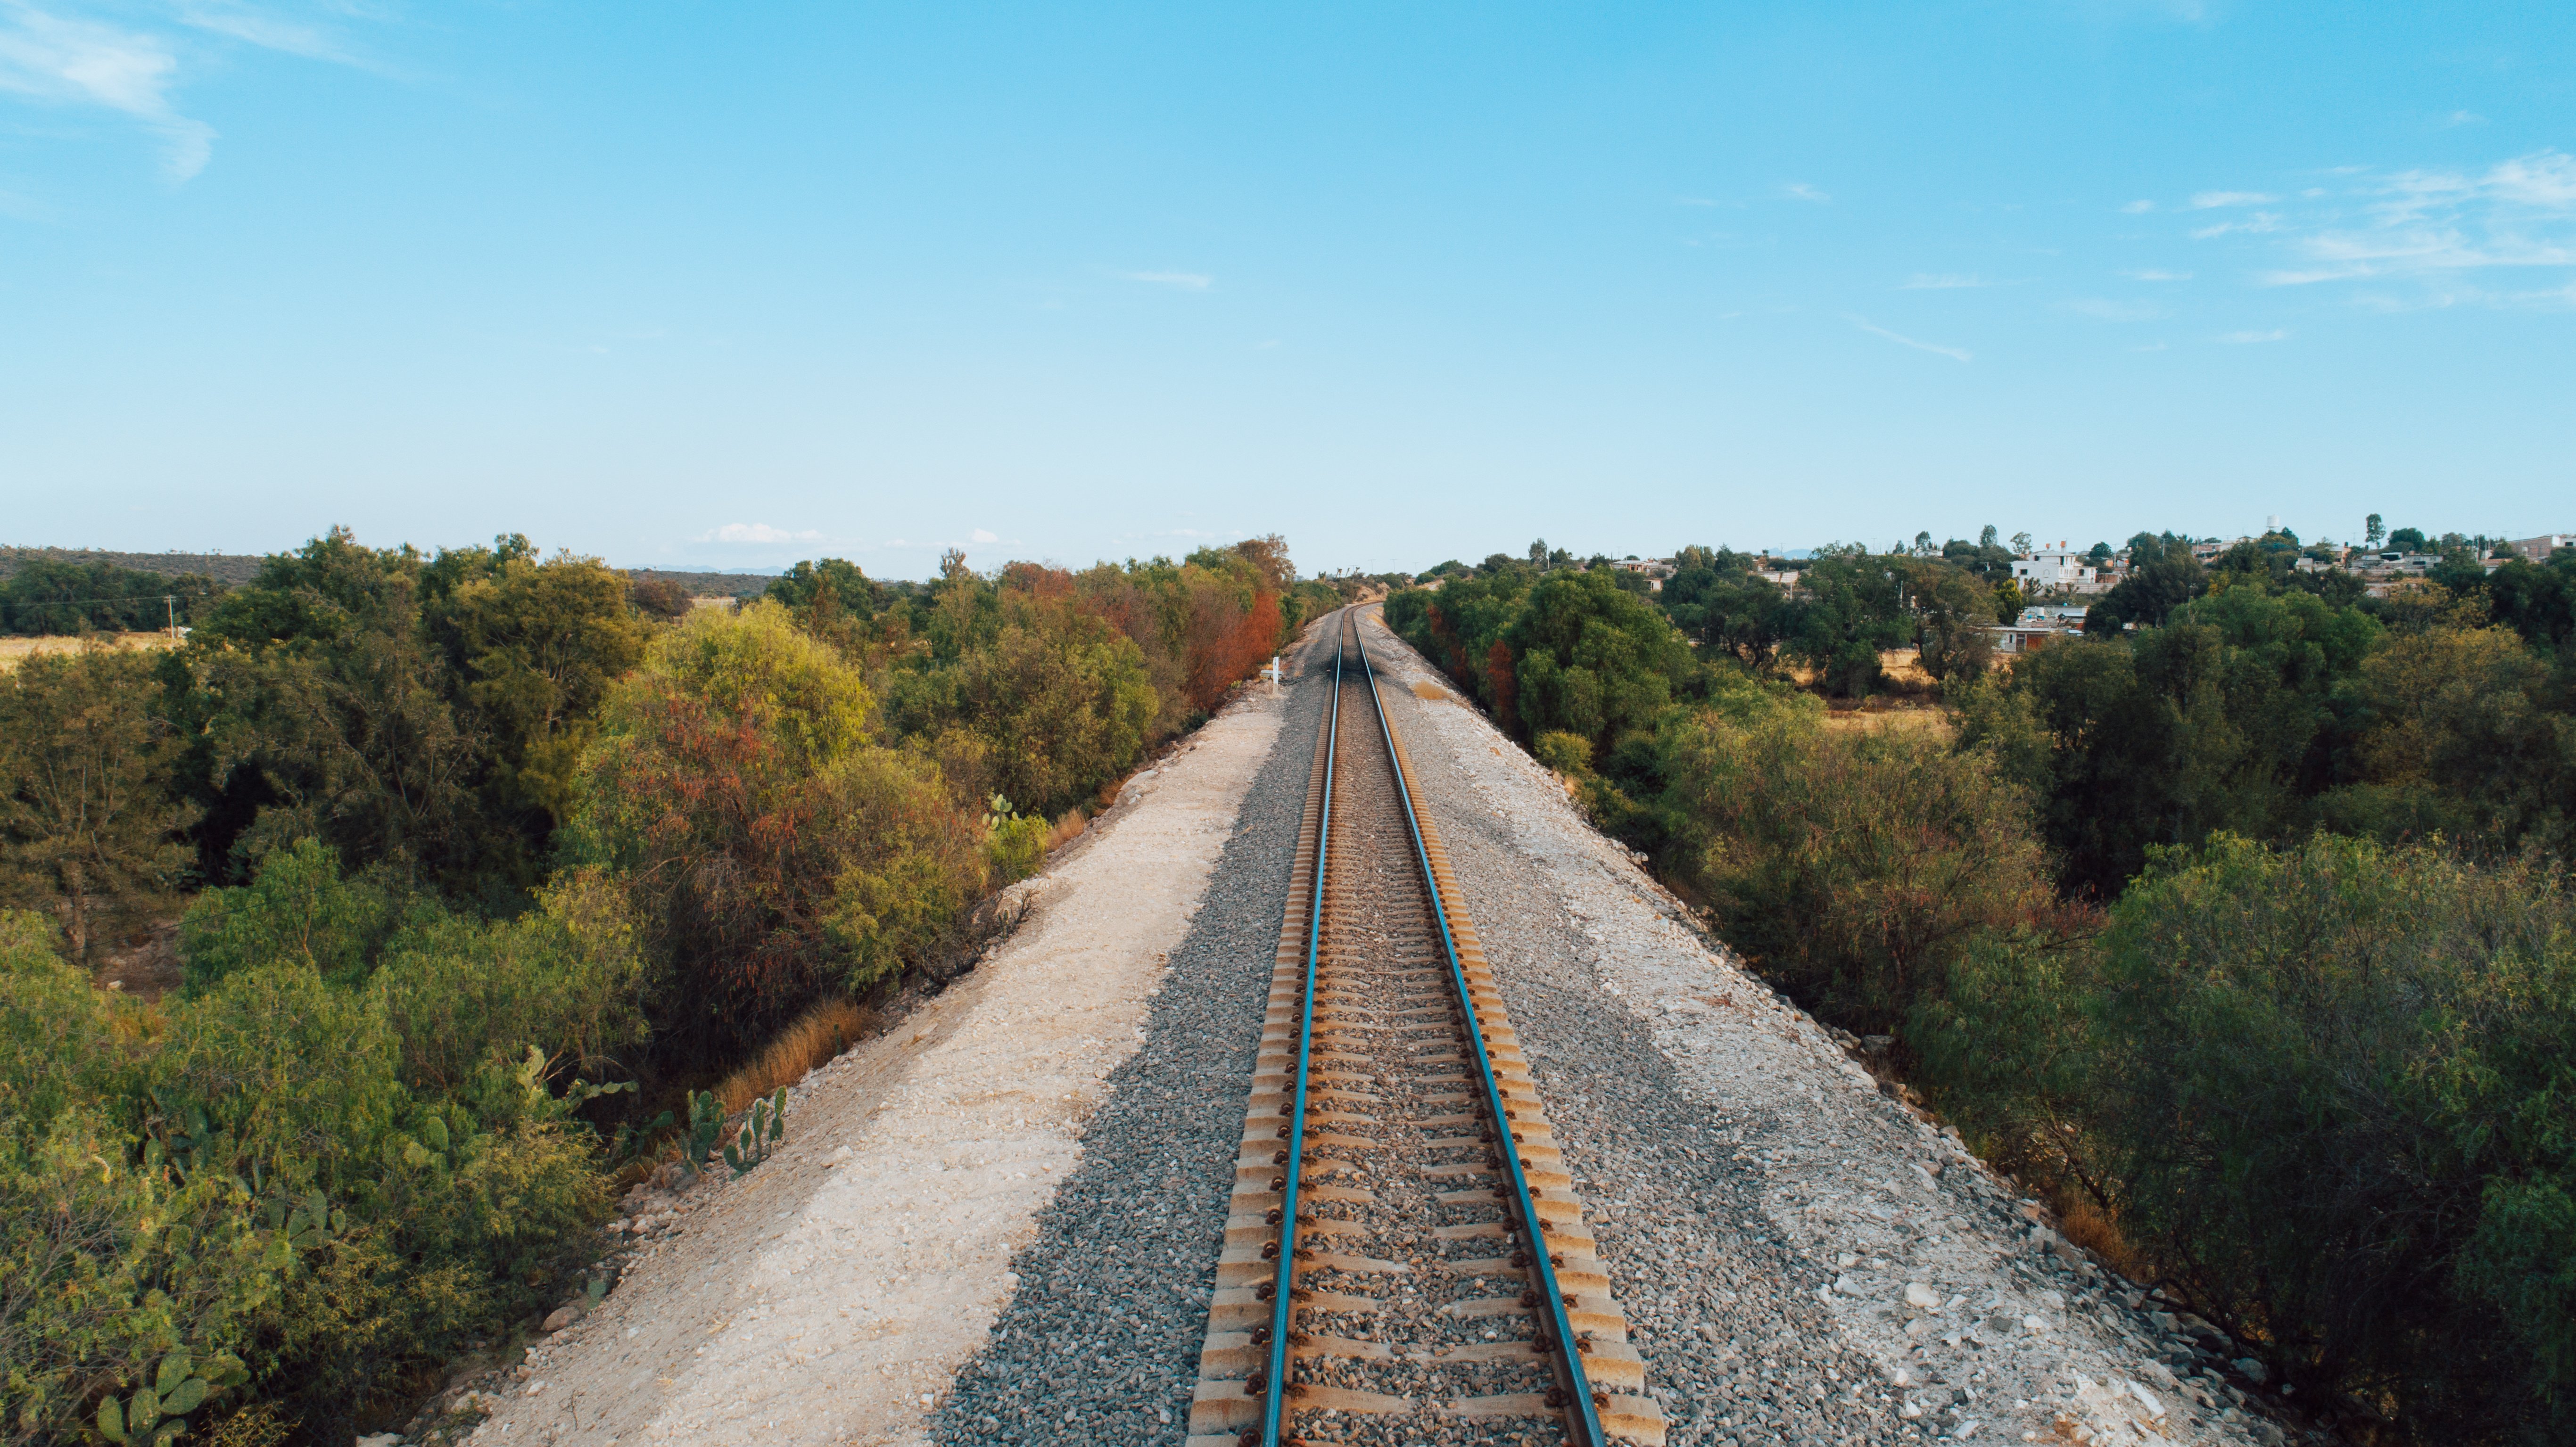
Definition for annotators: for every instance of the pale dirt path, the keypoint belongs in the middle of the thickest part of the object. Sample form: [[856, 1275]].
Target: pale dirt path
[[831, 1295]]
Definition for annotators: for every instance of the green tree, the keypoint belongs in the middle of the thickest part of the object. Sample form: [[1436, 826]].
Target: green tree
[[2332, 1086], [1593, 659], [2163, 576], [1953, 614], [90, 830], [533, 646], [1855, 609], [2373, 532]]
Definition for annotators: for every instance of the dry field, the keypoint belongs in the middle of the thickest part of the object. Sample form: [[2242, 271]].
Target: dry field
[[14, 649], [1919, 719]]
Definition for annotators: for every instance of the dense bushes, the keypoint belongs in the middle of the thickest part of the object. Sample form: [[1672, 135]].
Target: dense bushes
[[161, 1167], [1850, 866], [2326, 1091], [772, 847], [495, 864], [2236, 933]]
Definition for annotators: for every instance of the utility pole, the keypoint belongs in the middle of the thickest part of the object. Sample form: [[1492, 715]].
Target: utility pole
[[171, 602]]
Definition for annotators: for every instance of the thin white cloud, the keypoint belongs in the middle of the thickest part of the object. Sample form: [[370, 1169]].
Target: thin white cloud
[[58, 59], [2464, 118], [2151, 274], [2211, 200], [1693, 201], [1923, 281], [2247, 339], [48, 58], [1800, 190], [1956, 354], [1178, 280], [269, 32], [979, 535], [2257, 224], [762, 533], [2137, 208], [2436, 228], [2103, 310]]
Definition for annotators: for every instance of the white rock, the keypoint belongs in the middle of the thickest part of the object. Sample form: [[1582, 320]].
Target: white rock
[[1922, 1297], [2146, 1398]]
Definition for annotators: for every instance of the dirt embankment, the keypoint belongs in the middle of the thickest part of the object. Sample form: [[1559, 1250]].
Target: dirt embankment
[[831, 1294]]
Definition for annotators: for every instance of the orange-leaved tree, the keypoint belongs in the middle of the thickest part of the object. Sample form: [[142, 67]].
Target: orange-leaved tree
[[773, 848]]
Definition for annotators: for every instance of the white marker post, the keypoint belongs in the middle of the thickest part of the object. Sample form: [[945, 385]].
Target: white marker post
[[1274, 675]]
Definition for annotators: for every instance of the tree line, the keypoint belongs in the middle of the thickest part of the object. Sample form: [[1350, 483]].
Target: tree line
[[481, 859], [2243, 933]]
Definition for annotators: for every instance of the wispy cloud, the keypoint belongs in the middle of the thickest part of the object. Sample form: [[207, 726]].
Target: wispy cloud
[[1178, 280], [1956, 354], [2464, 118], [1924, 281], [269, 32], [1800, 190], [2257, 224], [2212, 200], [981, 535], [2152, 274], [2247, 339], [60, 59], [760, 533], [2435, 229], [2103, 310], [48, 58], [2137, 208]]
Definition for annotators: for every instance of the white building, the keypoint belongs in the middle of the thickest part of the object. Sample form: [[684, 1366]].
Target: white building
[[2057, 567], [2538, 549]]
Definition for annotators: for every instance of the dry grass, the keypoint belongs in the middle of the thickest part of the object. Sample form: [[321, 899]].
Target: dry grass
[[14, 649], [822, 1032], [2082, 1221], [1431, 693], [1902, 720], [1067, 829]]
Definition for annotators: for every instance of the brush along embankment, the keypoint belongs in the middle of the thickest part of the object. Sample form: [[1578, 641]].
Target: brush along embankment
[[830, 1294]]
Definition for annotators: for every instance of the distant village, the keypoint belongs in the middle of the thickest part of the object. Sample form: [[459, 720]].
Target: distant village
[[2053, 580]]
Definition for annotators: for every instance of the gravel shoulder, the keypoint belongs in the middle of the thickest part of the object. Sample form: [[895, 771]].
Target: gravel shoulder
[[833, 1294], [1802, 1258], [1100, 1344]]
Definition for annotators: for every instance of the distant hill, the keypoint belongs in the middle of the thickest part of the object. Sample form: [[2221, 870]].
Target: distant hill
[[234, 569], [708, 585], [229, 569]]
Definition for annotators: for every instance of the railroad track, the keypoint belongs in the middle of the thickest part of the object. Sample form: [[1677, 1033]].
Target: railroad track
[[1379, 1282]]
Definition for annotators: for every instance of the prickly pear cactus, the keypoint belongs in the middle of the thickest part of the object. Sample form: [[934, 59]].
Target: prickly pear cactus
[[762, 1133], [152, 1415]]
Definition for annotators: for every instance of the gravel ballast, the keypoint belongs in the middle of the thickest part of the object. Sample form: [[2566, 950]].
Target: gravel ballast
[[1101, 1342]]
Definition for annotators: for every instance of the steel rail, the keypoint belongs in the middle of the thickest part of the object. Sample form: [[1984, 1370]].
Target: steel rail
[[1274, 1400], [1581, 1414]]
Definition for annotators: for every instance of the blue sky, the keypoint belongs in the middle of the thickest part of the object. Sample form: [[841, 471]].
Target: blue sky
[[709, 285]]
